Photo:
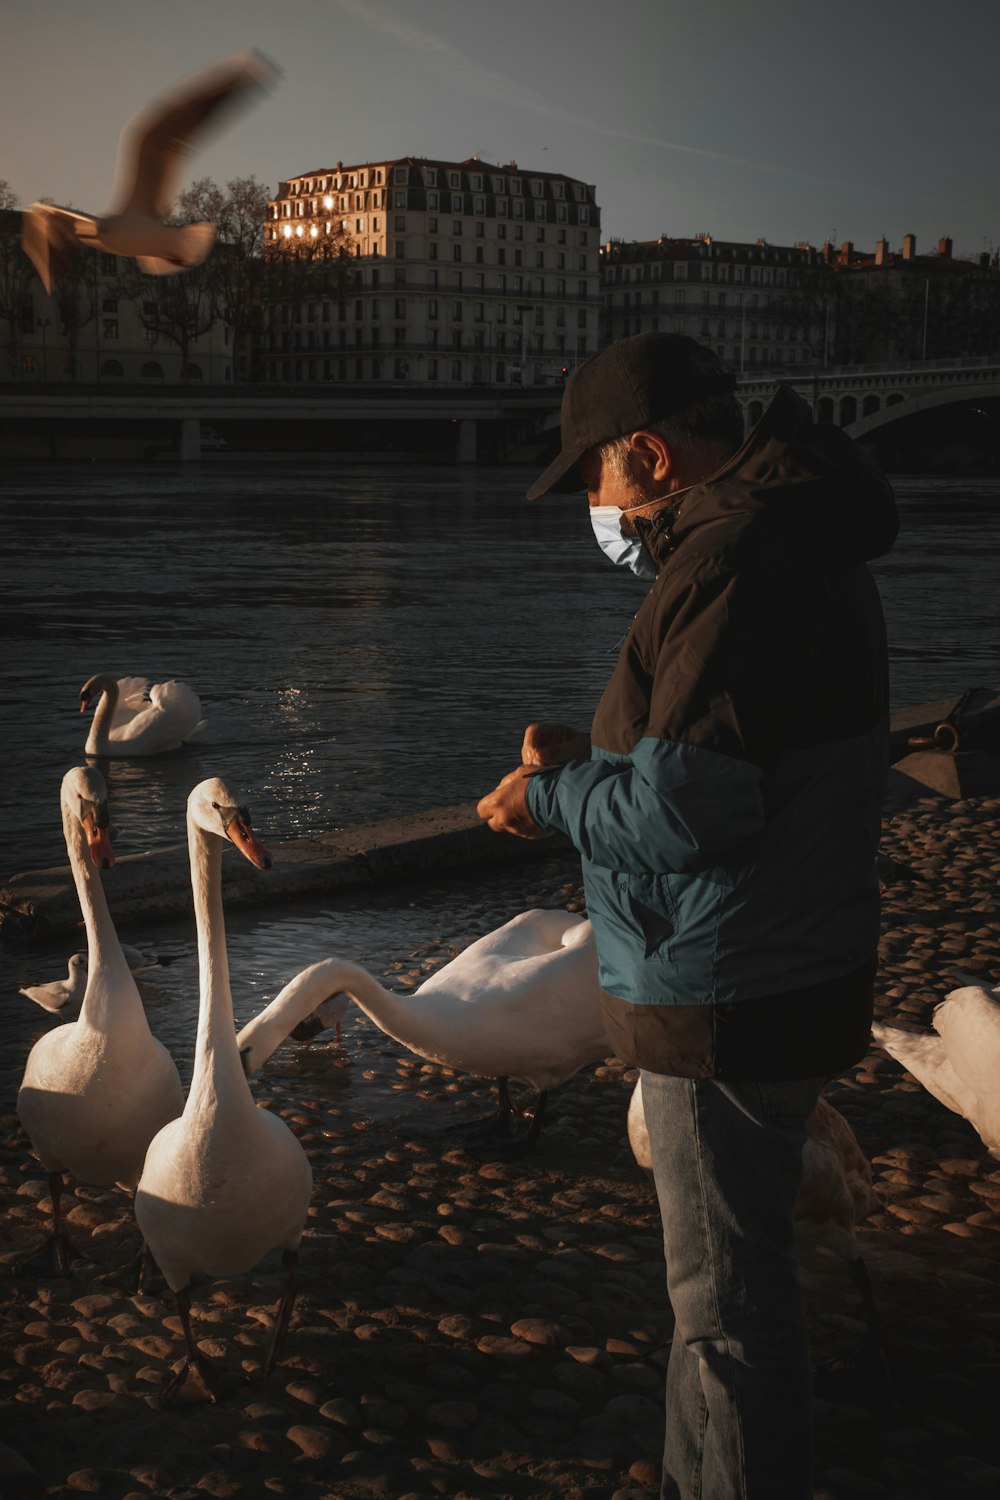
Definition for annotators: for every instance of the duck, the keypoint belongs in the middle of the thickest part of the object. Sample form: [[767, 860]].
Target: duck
[[63, 997], [154, 151], [521, 1002], [835, 1195], [96, 1090], [959, 1061], [225, 1183], [133, 718]]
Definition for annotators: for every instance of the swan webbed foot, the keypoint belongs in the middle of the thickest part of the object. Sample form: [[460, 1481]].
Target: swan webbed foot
[[861, 1377], [189, 1382], [55, 1256]]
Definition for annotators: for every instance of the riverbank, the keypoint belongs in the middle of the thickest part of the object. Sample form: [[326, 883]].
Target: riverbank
[[499, 1329]]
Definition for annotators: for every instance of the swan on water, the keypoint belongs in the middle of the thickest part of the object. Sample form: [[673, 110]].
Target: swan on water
[[95, 1091], [133, 718], [226, 1182], [959, 1061], [63, 997], [835, 1194], [154, 152], [522, 1002]]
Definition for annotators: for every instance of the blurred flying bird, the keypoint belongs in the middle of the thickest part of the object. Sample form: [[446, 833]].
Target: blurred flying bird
[[152, 155]]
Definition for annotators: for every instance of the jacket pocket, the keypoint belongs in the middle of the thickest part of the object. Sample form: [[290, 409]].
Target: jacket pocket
[[647, 900]]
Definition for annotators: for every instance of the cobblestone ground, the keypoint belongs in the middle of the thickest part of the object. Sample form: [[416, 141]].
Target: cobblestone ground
[[493, 1329]]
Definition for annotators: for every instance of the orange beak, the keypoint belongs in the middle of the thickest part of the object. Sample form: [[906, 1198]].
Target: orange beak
[[98, 843], [248, 844]]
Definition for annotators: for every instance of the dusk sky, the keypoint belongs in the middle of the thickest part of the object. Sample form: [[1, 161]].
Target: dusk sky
[[782, 119]]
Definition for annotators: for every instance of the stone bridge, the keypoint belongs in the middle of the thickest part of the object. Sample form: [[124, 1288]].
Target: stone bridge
[[862, 398]]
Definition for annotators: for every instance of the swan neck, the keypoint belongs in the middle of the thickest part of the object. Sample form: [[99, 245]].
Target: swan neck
[[216, 1057], [104, 953], [99, 737]]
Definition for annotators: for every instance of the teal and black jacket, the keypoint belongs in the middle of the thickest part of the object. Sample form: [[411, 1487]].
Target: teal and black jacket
[[729, 815]]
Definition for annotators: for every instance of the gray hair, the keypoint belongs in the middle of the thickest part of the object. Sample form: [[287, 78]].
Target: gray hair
[[703, 433]]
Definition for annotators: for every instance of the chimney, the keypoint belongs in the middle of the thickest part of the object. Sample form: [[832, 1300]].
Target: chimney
[[984, 261], [827, 252], [881, 252], [909, 246], [944, 248], [846, 251]]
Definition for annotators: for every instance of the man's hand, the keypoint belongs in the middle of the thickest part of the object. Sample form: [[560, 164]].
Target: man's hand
[[553, 745], [505, 809]]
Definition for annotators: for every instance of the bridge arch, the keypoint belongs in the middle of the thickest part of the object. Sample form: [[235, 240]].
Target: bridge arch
[[898, 405]]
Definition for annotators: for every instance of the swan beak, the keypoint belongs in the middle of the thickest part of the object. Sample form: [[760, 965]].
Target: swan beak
[[246, 841], [84, 704], [98, 842]]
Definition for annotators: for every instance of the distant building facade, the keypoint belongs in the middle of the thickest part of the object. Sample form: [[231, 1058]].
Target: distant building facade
[[749, 302], [463, 273], [766, 307]]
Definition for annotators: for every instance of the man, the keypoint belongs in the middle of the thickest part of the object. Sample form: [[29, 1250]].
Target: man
[[727, 809]]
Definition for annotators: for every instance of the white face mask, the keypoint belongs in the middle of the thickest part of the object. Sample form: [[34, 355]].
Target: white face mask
[[626, 551]]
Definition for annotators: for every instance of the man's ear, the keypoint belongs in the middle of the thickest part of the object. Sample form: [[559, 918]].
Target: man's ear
[[652, 457]]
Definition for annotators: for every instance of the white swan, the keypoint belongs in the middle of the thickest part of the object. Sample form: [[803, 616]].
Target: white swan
[[63, 997], [133, 718], [153, 153], [226, 1182], [522, 1002], [96, 1090], [835, 1194], [959, 1062]]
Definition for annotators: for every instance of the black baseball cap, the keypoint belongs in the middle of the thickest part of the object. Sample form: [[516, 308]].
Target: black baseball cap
[[629, 385]]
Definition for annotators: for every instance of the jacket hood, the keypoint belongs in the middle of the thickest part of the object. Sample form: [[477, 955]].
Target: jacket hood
[[813, 475]]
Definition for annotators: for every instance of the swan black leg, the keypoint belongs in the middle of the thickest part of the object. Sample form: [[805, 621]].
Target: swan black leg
[[189, 1380], [57, 1255], [283, 1313]]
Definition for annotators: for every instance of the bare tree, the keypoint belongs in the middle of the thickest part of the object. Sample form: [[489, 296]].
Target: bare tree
[[237, 262], [16, 275], [311, 269], [177, 308]]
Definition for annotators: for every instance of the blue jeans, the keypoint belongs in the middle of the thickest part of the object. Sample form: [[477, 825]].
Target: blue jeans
[[727, 1161]]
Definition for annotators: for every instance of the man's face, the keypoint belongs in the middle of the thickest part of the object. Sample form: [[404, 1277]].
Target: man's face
[[604, 485]]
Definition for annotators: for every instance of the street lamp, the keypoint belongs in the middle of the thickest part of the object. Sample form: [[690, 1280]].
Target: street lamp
[[44, 324]]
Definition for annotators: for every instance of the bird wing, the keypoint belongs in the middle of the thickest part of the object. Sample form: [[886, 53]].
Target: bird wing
[[48, 233], [156, 142], [925, 1056]]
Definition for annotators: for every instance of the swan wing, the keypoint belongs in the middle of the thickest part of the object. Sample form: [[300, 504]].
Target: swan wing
[[925, 1056], [157, 143], [49, 234]]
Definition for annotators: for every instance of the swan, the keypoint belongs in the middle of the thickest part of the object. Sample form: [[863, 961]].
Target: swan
[[63, 997], [522, 1002], [153, 153], [226, 1182], [95, 1091], [835, 1194], [959, 1062], [135, 719]]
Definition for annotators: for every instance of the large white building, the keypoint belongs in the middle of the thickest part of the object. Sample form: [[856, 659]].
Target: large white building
[[463, 273]]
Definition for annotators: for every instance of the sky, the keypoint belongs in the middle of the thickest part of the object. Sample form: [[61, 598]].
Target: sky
[[786, 120]]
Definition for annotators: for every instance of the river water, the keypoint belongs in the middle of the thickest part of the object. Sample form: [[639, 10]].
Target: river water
[[367, 640]]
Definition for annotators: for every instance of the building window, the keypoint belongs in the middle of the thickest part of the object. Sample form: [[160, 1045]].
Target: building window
[[399, 308], [110, 367], [432, 308], [109, 328], [432, 369], [456, 252], [152, 371]]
